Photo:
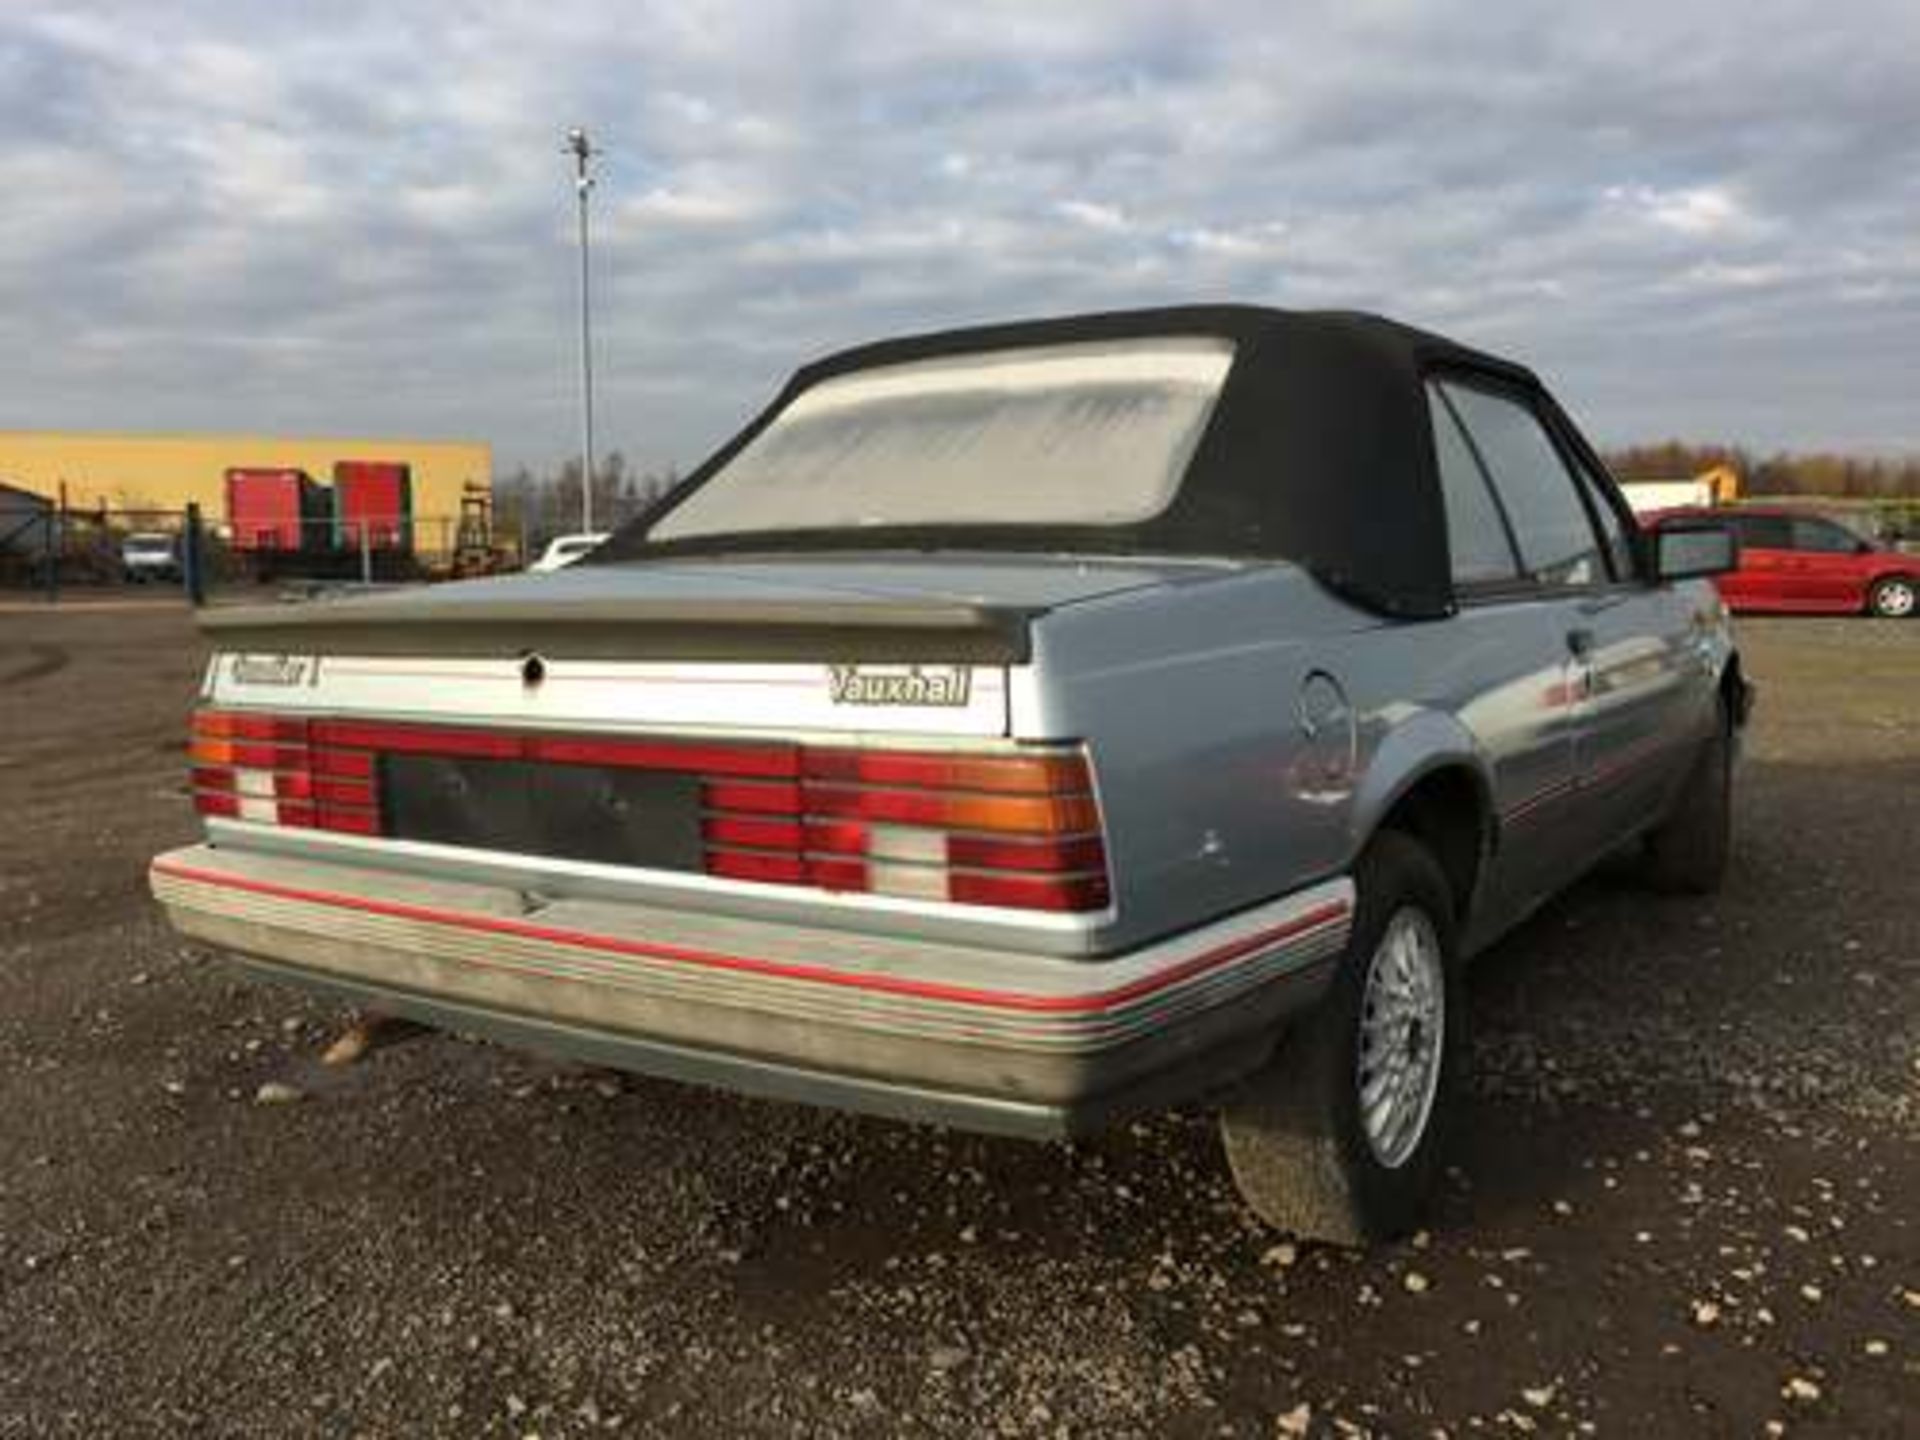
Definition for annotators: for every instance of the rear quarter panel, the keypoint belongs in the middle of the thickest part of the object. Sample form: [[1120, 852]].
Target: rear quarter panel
[[1187, 697], [1249, 734], [1215, 793]]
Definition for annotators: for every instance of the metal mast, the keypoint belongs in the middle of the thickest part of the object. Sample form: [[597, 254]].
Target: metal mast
[[582, 151]]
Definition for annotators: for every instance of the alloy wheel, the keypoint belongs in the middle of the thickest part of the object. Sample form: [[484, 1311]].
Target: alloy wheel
[[1402, 1036]]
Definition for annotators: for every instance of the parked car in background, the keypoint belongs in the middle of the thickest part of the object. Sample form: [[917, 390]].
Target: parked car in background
[[563, 550], [150, 556], [1796, 560], [1014, 728]]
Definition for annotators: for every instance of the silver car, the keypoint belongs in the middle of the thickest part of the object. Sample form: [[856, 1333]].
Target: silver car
[[149, 556], [1011, 728]]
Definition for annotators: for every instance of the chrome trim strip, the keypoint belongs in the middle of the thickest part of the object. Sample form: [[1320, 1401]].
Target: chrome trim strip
[[655, 957], [1081, 1108], [767, 1077]]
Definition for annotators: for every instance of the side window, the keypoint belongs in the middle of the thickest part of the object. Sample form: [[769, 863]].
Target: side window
[[1476, 535], [1556, 539], [1824, 536], [1764, 532], [1613, 530]]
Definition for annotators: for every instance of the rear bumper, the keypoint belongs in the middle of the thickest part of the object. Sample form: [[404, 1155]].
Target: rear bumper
[[981, 1038]]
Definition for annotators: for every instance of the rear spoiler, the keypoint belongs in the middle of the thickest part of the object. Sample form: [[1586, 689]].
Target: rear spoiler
[[838, 631]]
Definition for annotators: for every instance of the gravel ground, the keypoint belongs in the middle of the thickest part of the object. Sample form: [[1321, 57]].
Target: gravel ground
[[1686, 1202]]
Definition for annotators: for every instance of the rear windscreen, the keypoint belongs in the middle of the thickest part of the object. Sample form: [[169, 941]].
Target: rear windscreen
[[1083, 434]]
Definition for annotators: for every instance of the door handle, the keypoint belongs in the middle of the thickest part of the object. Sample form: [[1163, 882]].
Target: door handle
[[1580, 641]]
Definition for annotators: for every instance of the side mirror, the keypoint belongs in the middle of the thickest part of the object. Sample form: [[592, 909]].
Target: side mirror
[[1687, 551]]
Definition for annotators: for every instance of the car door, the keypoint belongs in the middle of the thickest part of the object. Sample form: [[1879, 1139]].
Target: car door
[[1636, 671], [1826, 565], [1765, 579], [1650, 693], [1504, 674]]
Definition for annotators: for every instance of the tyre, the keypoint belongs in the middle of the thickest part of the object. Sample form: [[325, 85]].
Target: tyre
[[1339, 1137], [1894, 598], [1686, 854]]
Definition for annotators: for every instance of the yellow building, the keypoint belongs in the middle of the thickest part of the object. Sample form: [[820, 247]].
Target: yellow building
[[165, 472]]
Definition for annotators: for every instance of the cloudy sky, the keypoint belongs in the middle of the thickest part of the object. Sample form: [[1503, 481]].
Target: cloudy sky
[[1696, 220]]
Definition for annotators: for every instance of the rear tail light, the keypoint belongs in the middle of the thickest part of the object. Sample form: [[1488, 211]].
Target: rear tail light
[[1019, 829], [279, 770]]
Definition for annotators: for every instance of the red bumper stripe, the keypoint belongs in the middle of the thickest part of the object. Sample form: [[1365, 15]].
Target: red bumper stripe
[[1219, 955]]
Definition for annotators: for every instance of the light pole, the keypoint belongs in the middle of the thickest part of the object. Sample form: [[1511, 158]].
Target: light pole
[[582, 151]]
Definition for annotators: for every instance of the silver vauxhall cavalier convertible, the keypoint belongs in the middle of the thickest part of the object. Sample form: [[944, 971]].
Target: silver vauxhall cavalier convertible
[[1010, 728]]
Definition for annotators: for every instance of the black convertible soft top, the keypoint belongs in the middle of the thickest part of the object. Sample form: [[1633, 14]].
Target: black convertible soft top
[[1319, 451]]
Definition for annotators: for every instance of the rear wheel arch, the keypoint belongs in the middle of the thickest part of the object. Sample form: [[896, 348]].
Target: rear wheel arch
[[1447, 809], [1340, 1136]]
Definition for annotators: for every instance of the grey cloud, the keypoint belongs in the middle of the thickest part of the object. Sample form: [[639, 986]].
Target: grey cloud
[[1700, 220]]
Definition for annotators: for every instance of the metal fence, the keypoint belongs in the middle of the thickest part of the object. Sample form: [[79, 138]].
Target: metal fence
[[369, 550], [50, 549]]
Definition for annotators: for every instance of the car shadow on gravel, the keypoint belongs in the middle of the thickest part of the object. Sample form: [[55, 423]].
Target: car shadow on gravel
[[1585, 1020], [1591, 1019], [805, 1198]]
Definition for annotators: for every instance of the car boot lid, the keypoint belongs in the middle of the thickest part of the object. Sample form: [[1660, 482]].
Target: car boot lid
[[866, 609]]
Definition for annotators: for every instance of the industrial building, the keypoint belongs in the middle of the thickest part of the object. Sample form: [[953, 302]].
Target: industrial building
[[23, 518], [164, 472]]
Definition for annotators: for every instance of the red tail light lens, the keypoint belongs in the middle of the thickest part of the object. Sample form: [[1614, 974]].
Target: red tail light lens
[[281, 770], [1019, 829]]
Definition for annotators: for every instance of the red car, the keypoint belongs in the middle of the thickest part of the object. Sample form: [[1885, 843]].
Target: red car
[[1794, 560]]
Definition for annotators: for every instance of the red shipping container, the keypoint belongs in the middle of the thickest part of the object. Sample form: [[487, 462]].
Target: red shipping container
[[377, 495], [275, 510]]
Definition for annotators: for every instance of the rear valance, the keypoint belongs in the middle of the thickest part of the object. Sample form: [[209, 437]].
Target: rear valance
[[639, 628]]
